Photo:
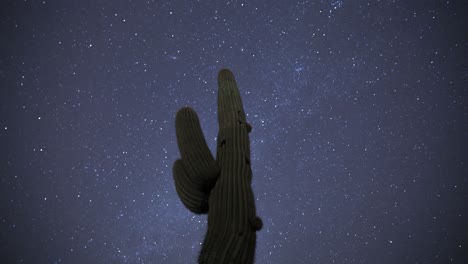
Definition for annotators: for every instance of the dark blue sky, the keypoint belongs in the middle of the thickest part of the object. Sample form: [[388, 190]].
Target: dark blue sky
[[358, 111]]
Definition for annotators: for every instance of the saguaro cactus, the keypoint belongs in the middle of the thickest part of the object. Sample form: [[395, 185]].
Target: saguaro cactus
[[221, 187]]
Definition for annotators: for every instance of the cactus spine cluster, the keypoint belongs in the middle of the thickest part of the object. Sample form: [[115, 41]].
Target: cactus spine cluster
[[220, 188]]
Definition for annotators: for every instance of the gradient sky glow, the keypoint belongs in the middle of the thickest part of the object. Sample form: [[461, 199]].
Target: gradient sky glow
[[358, 111]]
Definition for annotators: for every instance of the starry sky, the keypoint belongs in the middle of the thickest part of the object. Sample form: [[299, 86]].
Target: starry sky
[[358, 111]]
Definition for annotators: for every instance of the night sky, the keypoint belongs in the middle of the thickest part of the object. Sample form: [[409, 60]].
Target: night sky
[[359, 113]]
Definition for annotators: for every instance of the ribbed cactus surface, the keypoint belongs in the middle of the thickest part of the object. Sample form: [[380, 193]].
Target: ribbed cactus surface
[[221, 187]]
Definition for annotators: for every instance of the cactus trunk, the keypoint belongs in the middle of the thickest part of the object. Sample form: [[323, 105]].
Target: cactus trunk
[[221, 187]]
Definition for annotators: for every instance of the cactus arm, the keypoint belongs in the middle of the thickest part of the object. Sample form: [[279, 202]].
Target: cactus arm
[[196, 172]]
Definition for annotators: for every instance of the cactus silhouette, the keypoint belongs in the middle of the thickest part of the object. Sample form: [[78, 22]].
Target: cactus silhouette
[[221, 187]]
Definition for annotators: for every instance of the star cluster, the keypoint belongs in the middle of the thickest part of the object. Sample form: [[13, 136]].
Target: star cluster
[[358, 110]]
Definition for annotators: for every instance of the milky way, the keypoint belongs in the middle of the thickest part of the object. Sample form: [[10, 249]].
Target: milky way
[[358, 111]]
